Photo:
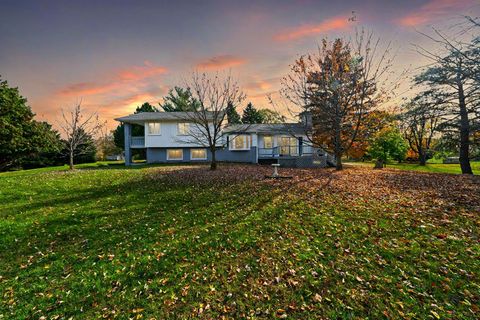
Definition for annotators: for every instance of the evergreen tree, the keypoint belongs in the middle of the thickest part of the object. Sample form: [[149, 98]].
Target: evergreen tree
[[251, 115], [232, 115], [271, 116], [20, 135], [179, 99]]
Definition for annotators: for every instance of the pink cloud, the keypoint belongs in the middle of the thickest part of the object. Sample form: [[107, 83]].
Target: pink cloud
[[142, 72], [262, 84], [433, 10], [116, 80], [331, 24], [85, 89], [220, 62]]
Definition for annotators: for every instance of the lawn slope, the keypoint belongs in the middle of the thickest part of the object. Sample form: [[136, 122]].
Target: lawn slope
[[184, 242], [453, 168]]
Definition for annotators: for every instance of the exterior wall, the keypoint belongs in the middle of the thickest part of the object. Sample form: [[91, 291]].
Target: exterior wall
[[159, 155], [237, 156], [169, 137]]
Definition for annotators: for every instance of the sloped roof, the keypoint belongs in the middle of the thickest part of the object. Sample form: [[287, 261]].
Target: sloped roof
[[158, 116], [267, 128]]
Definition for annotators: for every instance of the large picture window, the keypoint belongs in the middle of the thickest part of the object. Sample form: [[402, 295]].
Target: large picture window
[[240, 142], [175, 154], [288, 146], [198, 154], [154, 128], [183, 128]]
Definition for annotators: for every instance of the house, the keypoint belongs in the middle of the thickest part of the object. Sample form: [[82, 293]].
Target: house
[[170, 137]]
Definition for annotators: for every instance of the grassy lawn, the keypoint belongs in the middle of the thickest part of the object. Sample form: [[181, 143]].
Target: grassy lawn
[[430, 167], [168, 242]]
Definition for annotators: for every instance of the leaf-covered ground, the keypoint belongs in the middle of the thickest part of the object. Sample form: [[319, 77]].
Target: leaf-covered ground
[[184, 242]]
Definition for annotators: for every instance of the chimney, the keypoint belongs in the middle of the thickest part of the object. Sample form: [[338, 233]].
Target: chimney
[[306, 118]]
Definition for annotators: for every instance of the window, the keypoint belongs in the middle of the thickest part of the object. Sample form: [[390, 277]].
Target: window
[[240, 142], [154, 128], [288, 146], [174, 154], [268, 142], [198, 154], [183, 128]]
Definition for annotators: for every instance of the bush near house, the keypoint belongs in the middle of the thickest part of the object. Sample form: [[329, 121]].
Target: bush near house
[[184, 242]]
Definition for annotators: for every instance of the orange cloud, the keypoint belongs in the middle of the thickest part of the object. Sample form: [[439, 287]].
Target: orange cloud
[[116, 80], [138, 73], [220, 62], [262, 84], [432, 10], [336, 23], [85, 89]]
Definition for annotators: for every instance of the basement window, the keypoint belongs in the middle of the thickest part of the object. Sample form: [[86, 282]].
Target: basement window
[[175, 154]]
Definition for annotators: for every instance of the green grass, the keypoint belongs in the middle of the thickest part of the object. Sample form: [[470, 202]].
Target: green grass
[[430, 167], [170, 242]]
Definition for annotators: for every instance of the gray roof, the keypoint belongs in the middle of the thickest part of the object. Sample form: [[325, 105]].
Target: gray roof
[[267, 128], [160, 116]]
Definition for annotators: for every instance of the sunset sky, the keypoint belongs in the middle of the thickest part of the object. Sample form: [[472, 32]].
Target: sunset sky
[[115, 55]]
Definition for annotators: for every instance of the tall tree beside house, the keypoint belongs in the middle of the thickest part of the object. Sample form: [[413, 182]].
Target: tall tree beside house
[[137, 130], [232, 115], [420, 122], [214, 92], [251, 115], [21, 136], [340, 85], [179, 99], [79, 128], [271, 116]]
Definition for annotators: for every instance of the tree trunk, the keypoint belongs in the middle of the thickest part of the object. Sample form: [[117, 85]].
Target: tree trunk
[[213, 163], [422, 157], [71, 161], [338, 161], [464, 133], [338, 145], [379, 164]]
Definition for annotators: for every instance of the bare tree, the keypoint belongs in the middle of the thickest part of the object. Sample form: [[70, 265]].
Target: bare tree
[[214, 92], [340, 85], [78, 128]]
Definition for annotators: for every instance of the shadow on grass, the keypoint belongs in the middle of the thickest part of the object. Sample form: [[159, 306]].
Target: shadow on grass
[[160, 201]]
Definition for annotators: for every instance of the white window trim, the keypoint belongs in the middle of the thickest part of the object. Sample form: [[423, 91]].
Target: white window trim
[[175, 159], [178, 128], [154, 134], [192, 158], [247, 141]]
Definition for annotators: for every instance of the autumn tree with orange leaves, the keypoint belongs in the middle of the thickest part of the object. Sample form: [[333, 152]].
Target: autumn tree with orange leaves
[[340, 85]]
